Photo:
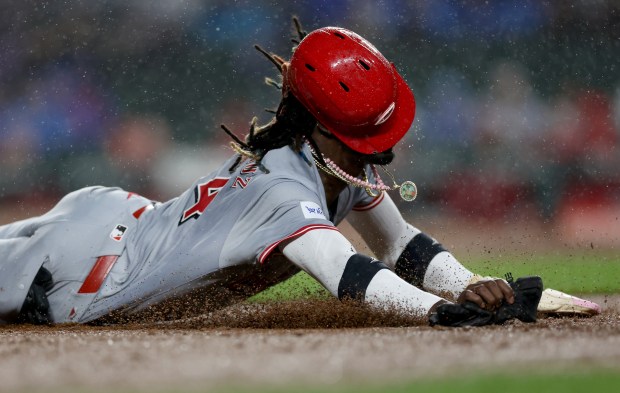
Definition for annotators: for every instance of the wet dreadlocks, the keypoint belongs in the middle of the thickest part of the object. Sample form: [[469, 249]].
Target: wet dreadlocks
[[292, 123]]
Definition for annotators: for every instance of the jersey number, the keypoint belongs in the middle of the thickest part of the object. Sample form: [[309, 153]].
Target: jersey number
[[204, 194]]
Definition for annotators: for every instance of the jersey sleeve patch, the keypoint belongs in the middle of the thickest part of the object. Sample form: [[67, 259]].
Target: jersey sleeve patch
[[312, 210]]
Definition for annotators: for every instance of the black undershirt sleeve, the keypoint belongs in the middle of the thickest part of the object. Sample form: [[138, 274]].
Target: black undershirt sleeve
[[35, 309], [414, 260]]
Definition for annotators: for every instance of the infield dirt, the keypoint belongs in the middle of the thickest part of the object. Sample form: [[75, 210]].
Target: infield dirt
[[293, 344]]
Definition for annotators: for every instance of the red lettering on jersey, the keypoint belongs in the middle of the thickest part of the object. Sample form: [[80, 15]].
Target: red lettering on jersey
[[204, 194], [250, 168], [141, 210], [241, 182]]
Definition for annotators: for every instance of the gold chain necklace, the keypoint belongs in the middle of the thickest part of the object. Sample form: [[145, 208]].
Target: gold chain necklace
[[408, 190]]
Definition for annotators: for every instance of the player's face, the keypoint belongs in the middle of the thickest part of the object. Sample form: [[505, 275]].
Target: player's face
[[384, 158], [349, 160]]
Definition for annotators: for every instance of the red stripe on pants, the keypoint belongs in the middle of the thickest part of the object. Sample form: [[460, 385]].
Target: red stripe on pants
[[98, 273]]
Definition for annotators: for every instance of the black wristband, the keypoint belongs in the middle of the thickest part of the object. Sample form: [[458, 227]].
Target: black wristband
[[358, 273], [412, 263]]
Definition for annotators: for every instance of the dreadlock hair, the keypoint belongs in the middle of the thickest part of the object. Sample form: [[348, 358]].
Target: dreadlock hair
[[292, 123]]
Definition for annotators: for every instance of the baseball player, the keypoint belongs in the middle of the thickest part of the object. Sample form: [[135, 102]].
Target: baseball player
[[268, 212]]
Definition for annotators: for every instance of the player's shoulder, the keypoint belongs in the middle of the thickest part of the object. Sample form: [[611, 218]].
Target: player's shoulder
[[286, 160], [285, 177], [287, 169]]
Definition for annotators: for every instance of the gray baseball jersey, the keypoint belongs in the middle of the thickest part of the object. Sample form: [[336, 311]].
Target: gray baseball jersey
[[109, 249]]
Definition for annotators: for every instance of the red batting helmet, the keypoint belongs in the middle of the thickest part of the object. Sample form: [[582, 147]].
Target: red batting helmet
[[351, 89]]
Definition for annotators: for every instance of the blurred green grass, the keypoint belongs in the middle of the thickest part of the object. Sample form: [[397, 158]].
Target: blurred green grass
[[575, 273], [516, 381], [555, 382]]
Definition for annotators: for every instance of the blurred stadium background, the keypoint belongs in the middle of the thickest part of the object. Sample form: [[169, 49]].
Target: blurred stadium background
[[518, 115]]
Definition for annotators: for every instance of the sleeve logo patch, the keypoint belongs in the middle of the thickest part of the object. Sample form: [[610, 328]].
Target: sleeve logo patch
[[312, 210], [118, 233]]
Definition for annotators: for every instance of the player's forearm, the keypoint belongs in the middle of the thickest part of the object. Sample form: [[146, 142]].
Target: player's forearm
[[370, 280], [427, 264], [412, 254], [387, 290], [383, 229], [331, 259], [424, 263], [323, 254]]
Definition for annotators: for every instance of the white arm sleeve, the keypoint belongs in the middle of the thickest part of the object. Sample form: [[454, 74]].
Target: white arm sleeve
[[383, 229], [446, 274], [387, 234], [388, 291], [324, 255]]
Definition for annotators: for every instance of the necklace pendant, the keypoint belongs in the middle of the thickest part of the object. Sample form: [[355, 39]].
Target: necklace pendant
[[408, 191]]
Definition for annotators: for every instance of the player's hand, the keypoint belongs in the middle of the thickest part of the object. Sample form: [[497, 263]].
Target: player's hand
[[488, 294]]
